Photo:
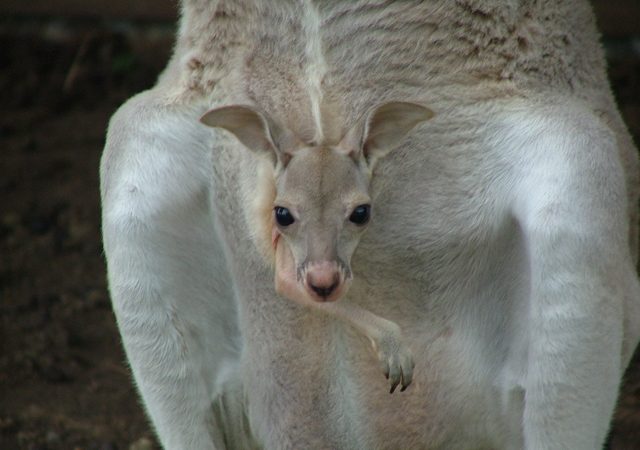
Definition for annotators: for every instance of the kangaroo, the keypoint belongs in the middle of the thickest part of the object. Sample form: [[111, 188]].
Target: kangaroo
[[321, 207], [484, 244]]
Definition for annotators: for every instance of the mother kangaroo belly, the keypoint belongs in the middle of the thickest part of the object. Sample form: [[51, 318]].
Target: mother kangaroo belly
[[454, 293], [450, 403]]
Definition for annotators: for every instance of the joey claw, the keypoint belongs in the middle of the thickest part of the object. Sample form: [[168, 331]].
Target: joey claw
[[384, 365], [407, 373], [405, 385], [395, 375], [406, 381]]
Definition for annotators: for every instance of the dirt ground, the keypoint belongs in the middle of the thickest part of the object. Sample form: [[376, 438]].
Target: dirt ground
[[64, 383]]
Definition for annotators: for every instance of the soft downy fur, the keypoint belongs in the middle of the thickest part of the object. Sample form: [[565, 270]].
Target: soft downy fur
[[503, 244]]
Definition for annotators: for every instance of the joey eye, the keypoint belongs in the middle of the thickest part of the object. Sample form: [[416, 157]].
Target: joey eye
[[360, 214], [283, 216]]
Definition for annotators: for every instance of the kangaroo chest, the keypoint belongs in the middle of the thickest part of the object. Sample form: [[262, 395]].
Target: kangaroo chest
[[436, 256]]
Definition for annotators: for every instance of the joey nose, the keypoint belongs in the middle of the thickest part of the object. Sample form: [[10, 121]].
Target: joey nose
[[323, 281], [324, 291]]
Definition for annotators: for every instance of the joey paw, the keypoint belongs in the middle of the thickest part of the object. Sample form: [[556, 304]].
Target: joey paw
[[396, 359]]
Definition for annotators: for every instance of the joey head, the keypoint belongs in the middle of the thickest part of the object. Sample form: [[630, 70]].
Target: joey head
[[320, 208], [322, 204]]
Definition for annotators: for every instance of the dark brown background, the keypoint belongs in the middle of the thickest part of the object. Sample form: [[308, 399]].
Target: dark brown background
[[65, 66]]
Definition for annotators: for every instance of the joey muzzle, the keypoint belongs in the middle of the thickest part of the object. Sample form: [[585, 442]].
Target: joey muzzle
[[310, 282], [324, 281]]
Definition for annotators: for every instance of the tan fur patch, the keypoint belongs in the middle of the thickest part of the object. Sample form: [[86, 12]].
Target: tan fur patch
[[262, 210]]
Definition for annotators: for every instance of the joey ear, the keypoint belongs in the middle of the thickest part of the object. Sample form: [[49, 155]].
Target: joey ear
[[383, 128], [246, 124], [253, 130]]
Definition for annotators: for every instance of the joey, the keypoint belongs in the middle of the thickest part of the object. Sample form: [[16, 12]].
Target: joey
[[320, 210]]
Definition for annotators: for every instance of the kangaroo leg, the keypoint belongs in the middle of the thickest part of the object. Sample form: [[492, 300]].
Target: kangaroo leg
[[167, 272], [569, 200]]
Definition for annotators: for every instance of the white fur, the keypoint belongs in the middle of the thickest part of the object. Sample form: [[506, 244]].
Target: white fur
[[316, 67], [502, 242], [163, 271]]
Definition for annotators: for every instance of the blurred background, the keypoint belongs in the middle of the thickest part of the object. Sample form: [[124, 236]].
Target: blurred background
[[65, 66]]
